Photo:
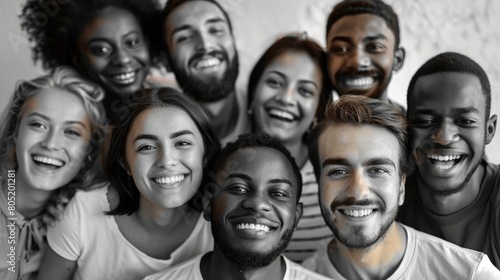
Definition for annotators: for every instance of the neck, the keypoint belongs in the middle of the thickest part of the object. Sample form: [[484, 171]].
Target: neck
[[153, 217], [298, 150], [376, 262], [223, 114], [215, 266], [383, 97], [30, 202], [449, 204]]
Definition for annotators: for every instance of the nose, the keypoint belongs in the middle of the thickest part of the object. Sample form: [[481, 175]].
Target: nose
[[258, 202], [446, 133], [52, 141], [359, 186], [204, 42], [359, 59], [121, 57], [167, 157], [287, 95]]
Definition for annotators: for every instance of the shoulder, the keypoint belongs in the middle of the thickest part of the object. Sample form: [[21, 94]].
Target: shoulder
[[295, 271]]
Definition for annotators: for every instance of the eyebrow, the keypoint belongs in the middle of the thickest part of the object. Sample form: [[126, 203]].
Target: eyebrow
[[239, 175], [187, 26], [346, 39], [368, 162], [455, 111], [98, 39], [280, 181], [154, 137], [48, 119]]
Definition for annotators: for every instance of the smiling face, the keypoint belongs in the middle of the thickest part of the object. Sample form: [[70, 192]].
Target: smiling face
[[201, 50], [449, 129], [362, 55], [287, 95], [254, 210], [360, 185], [52, 140], [164, 155], [113, 52]]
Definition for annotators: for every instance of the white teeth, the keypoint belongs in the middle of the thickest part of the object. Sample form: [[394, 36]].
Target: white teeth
[[254, 227], [357, 213], [205, 63], [443, 167], [444, 158], [126, 77], [281, 114], [47, 160], [360, 82], [169, 180]]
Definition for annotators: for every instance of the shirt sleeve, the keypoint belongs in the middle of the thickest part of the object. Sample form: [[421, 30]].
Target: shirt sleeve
[[486, 270], [65, 237]]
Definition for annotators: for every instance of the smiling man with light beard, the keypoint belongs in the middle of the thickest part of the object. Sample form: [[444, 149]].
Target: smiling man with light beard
[[201, 51], [454, 193], [360, 160], [253, 205]]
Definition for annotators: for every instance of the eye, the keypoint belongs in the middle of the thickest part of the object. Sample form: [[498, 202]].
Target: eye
[[100, 50], [337, 172], [423, 122], [237, 189], [145, 147], [132, 43], [306, 92], [182, 37], [278, 193], [38, 125], [378, 170], [340, 49], [274, 83], [216, 31], [466, 122], [375, 48], [73, 132], [183, 143]]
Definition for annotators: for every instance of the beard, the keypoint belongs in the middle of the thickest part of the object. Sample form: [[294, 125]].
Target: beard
[[355, 239], [213, 89], [245, 260]]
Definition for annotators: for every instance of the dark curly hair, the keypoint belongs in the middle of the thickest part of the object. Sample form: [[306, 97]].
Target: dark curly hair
[[54, 26], [253, 140]]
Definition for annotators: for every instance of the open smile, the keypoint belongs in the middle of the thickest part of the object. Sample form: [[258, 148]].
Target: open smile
[[47, 162], [124, 78], [282, 115], [170, 181], [445, 162]]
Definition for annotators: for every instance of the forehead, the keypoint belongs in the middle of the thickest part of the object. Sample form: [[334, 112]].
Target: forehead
[[261, 164], [193, 14], [357, 143], [359, 26], [162, 122], [109, 21], [447, 90], [48, 102], [296, 63]]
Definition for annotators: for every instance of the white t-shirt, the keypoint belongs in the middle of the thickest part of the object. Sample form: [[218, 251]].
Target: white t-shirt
[[92, 239], [426, 257], [190, 270]]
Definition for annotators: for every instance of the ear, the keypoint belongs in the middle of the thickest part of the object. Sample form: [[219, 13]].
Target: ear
[[298, 212], [399, 59], [402, 190], [491, 127], [206, 200]]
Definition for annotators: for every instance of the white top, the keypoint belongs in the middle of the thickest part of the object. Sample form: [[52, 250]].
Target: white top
[[426, 257], [92, 239], [312, 232], [190, 270]]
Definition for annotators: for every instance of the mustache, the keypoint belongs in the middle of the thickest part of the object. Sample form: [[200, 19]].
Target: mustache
[[350, 201], [214, 53]]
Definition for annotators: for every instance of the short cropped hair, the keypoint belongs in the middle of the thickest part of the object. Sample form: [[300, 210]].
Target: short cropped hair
[[453, 62], [299, 43], [68, 80], [255, 140], [55, 32], [360, 110], [374, 7], [148, 99]]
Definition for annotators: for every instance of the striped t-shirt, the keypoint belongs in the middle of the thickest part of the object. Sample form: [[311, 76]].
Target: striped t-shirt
[[312, 231]]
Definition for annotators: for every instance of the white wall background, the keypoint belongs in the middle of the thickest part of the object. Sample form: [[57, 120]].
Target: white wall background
[[428, 27]]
